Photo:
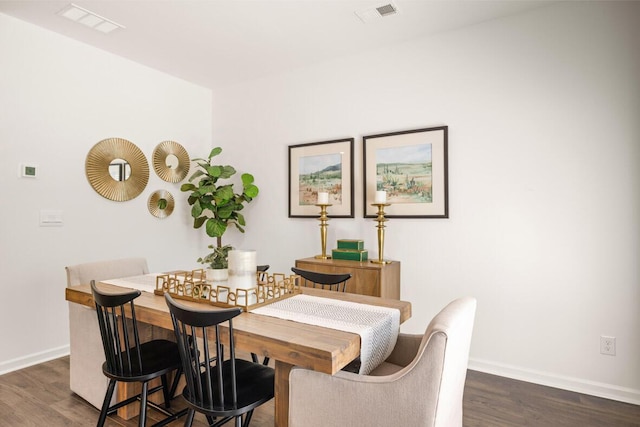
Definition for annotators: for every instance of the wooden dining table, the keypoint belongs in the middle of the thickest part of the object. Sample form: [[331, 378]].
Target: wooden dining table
[[287, 343]]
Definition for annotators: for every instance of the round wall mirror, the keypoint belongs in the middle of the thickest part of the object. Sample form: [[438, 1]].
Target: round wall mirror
[[117, 169], [161, 203], [171, 161]]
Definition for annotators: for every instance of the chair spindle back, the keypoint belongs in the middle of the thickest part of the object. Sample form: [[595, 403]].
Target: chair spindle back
[[119, 331], [206, 383]]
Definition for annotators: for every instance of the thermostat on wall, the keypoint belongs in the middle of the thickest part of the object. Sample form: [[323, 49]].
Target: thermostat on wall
[[28, 170]]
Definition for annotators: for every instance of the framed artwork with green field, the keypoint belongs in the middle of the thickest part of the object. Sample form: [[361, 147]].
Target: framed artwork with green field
[[411, 166], [321, 167]]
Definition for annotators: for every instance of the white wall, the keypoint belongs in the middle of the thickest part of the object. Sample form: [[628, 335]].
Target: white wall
[[57, 99], [543, 111]]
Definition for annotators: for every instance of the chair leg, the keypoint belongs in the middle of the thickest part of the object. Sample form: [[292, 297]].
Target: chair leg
[[107, 401], [165, 391], [143, 404], [189, 419], [174, 385], [247, 418], [254, 358]]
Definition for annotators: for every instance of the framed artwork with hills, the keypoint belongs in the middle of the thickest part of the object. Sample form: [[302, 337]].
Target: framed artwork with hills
[[411, 167], [321, 167]]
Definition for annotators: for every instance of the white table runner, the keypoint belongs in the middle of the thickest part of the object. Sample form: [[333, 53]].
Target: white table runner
[[145, 282], [378, 327]]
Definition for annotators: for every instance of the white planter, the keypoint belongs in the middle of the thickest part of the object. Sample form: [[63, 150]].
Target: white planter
[[217, 275]]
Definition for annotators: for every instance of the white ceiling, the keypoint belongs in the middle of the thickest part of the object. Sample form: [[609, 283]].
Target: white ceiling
[[215, 42]]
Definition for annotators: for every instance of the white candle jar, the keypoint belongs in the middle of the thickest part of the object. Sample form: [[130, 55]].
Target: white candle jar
[[242, 271]]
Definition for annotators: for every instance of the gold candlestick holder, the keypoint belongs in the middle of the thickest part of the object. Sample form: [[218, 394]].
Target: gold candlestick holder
[[323, 230], [381, 220]]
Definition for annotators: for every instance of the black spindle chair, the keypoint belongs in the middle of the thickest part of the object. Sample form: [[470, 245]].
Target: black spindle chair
[[129, 360], [262, 271], [231, 389], [312, 279]]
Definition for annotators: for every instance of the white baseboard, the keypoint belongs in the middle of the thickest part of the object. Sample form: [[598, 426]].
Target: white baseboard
[[33, 359], [607, 391]]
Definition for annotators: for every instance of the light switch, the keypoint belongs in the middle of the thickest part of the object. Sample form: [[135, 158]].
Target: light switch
[[51, 218]]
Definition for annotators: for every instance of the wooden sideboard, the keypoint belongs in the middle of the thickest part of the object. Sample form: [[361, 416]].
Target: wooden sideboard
[[367, 278]]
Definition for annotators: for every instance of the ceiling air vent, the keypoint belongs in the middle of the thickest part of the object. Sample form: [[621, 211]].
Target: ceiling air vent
[[387, 9], [372, 14], [88, 18]]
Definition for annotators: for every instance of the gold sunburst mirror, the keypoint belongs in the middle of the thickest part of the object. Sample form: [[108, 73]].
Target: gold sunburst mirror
[[117, 169], [161, 203], [171, 161]]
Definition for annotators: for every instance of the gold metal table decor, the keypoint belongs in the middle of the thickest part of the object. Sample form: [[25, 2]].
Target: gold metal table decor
[[193, 286], [323, 229], [381, 220]]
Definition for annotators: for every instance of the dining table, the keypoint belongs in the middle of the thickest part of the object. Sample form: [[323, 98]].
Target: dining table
[[287, 343]]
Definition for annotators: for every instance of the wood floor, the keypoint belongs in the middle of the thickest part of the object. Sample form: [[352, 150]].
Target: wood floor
[[40, 396]]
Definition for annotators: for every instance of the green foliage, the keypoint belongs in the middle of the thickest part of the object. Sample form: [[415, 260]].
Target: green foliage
[[217, 259], [214, 203]]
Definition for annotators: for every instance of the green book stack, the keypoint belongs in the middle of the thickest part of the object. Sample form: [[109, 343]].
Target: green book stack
[[351, 250]]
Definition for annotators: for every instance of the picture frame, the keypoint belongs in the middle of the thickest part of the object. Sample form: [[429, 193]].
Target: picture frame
[[412, 167], [317, 166]]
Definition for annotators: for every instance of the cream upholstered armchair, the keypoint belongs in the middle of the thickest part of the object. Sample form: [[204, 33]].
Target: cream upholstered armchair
[[87, 356], [420, 384]]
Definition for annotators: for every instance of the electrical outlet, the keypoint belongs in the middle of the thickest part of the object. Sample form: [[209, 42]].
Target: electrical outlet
[[608, 345]]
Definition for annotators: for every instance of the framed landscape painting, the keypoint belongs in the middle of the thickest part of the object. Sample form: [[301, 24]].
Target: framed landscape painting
[[321, 167], [411, 166]]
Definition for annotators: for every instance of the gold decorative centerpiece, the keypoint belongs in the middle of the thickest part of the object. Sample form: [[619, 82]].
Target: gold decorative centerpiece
[[323, 203], [193, 286], [380, 203]]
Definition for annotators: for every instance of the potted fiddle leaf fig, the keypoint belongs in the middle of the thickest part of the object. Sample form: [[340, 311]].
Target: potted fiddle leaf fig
[[215, 204]]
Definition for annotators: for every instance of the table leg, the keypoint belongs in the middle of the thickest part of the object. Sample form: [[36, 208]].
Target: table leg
[[126, 390], [281, 413]]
